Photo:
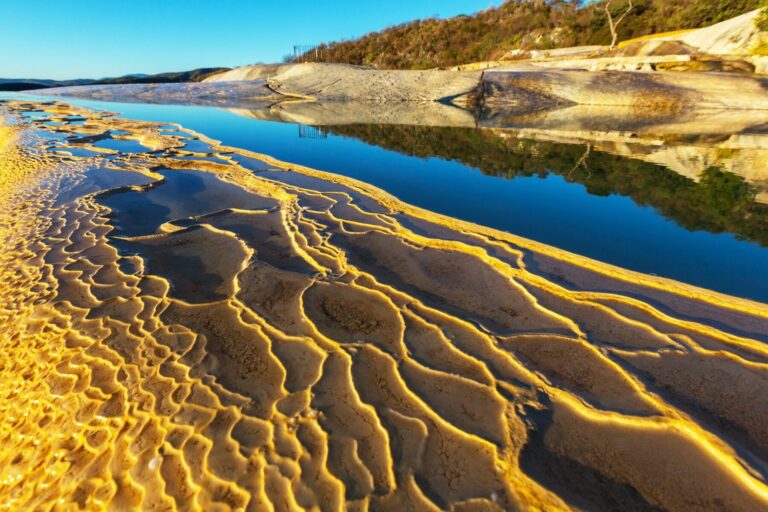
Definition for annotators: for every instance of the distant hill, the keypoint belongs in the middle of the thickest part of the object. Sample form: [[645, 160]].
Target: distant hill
[[524, 25], [21, 86], [8, 84], [195, 75]]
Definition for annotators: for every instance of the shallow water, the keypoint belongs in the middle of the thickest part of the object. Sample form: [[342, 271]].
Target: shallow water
[[635, 215], [182, 194], [207, 334], [122, 145]]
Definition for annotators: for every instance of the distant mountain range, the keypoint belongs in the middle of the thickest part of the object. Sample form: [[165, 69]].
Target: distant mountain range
[[28, 84]]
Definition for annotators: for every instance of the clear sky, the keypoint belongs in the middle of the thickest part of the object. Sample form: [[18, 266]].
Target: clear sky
[[65, 39]]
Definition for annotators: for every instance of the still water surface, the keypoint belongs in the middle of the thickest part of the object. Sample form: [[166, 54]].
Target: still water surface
[[636, 223]]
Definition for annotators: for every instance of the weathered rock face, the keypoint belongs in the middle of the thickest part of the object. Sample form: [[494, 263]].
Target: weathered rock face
[[523, 88], [729, 47], [223, 94], [256, 72], [648, 93], [340, 82], [736, 36]]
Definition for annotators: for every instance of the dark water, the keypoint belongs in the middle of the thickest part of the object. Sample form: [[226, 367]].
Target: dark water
[[618, 210], [182, 194]]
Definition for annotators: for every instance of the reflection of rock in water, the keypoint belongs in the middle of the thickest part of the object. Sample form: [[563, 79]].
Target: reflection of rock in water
[[719, 183], [287, 339], [312, 132]]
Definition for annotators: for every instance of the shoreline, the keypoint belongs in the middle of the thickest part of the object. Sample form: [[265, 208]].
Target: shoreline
[[584, 262], [605, 269], [197, 295], [521, 88]]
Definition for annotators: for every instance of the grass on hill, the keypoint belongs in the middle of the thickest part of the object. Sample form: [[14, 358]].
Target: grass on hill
[[761, 49], [522, 24]]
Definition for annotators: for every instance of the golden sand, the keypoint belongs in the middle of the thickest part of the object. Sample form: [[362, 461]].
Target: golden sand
[[288, 339]]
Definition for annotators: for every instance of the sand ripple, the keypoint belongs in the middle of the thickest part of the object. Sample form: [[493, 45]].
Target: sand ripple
[[182, 332]]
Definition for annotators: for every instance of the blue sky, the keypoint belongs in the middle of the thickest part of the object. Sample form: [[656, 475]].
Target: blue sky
[[64, 39]]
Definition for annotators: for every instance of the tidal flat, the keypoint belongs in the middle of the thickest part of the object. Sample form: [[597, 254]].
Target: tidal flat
[[192, 325]]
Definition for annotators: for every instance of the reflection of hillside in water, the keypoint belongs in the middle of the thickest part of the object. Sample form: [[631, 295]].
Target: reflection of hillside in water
[[719, 183]]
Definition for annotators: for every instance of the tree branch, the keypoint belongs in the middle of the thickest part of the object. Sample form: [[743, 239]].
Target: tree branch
[[613, 25], [629, 8]]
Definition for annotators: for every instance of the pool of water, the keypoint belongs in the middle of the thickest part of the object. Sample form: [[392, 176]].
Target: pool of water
[[122, 145], [182, 194], [638, 216]]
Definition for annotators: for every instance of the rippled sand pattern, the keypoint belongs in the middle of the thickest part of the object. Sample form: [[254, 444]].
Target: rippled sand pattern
[[195, 327]]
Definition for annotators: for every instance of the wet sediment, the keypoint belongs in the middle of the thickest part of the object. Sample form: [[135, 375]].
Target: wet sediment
[[183, 331]]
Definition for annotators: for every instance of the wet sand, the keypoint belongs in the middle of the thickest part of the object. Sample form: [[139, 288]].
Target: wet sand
[[192, 326]]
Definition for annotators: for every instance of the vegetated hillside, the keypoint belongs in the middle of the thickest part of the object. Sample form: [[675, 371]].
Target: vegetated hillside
[[28, 84], [719, 202], [21, 86], [762, 24], [523, 24], [196, 75]]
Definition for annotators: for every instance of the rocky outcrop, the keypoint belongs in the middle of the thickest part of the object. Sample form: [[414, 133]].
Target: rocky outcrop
[[223, 94], [737, 36], [648, 93], [340, 82], [519, 88]]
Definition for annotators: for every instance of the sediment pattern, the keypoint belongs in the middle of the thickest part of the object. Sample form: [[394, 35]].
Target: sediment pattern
[[191, 326]]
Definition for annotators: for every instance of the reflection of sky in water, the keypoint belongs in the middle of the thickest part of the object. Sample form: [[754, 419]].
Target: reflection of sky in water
[[124, 146], [251, 164], [551, 210], [95, 180], [197, 146], [78, 152], [33, 115], [183, 194], [45, 134]]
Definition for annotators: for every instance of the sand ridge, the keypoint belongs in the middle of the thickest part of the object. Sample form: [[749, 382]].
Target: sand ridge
[[183, 332]]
